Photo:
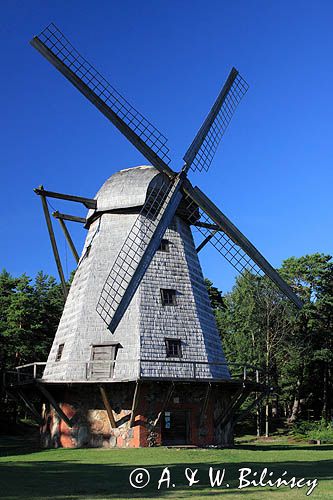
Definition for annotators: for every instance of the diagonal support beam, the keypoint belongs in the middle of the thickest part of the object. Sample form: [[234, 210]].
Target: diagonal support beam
[[205, 405], [165, 404], [69, 240], [107, 405], [234, 403], [53, 242], [205, 241], [55, 405], [256, 401], [135, 403], [30, 406]]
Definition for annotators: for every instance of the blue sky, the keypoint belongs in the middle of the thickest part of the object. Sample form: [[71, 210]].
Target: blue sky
[[272, 174]]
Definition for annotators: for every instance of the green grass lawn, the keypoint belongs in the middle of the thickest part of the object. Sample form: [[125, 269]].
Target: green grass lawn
[[29, 474]]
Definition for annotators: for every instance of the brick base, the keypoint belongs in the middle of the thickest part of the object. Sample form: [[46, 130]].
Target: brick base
[[91, 426]]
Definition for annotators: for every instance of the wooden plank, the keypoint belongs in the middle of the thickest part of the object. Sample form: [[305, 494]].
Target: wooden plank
[[108, 408], [205, 404], [165, 403], [103, 108], [55, 405], [87, 202], [237, 237], [135, 403], [30, 406], [69, 240], [206, 126], [71, 218], [205, 241], [256, 401], [53, 243]]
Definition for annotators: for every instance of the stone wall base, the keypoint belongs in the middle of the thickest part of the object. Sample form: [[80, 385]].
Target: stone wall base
[[91, 426]]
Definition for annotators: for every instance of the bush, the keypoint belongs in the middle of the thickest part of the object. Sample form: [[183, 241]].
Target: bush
[[320, 430]]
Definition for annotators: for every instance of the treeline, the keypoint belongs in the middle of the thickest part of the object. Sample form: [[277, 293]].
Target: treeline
[[292, 348], [29, 316], [258, 327]]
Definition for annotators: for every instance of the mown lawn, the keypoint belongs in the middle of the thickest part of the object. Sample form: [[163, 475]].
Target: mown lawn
[[29, 474]]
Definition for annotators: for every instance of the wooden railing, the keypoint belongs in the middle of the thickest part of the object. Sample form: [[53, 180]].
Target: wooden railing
[[119, 370]]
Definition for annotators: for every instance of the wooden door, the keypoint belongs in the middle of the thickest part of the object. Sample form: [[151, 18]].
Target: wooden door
[[101, 366], [175, 427]]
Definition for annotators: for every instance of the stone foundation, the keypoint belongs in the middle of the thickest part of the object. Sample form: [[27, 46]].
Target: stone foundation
[[91, 426]]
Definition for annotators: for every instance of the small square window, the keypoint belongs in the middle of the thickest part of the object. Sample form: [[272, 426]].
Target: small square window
[[59, 352], [168, 297], [164, 246], [173, 348]]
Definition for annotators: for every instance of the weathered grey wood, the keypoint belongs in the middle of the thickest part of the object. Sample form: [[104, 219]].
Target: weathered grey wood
[[87, 202], [147, 255], [205, 241], [168, 395], [204, 129], [104, 108], [55, 405], [53, 242], [213, 227], [231, 230], [135, 403], [71, 218], [107, 405], [69, 240], [145, 324]]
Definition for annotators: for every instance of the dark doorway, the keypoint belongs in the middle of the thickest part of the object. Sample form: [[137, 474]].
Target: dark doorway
[[175, 427]]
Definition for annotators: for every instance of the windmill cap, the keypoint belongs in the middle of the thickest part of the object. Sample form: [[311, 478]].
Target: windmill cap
[[124, 189]]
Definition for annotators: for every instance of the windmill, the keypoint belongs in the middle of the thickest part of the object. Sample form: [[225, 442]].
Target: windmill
[[137, 321]]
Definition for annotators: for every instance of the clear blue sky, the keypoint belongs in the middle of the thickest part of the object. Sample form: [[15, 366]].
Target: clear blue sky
[[272, 174]]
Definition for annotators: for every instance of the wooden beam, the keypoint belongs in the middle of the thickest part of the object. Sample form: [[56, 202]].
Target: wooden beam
[[87, 202], [107, 405], [206, 225], [237, 237], [30, 406], [72, 218], [69, 240], [228, 410], [256, 401], [55, 405], [205, 241], [204, 406], [135, 403], [165, 403], [53, 242], [121, 125]]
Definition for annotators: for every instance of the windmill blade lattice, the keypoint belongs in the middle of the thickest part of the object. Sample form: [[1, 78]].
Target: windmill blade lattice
[[230, 250], [200, 154], [138, 251], [230, 242], [60, 52]]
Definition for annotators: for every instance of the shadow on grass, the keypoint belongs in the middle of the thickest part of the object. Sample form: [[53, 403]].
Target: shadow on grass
[[74, 480]]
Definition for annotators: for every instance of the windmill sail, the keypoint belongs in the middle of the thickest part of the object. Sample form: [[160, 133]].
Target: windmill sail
[[55, 47], [201, 152], [230, 242], [137, 251]]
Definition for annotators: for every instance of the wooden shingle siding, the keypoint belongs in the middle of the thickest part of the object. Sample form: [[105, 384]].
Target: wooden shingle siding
[[146, 322]]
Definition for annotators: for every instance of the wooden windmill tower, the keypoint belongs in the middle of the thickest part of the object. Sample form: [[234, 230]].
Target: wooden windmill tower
[[137, 357]]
